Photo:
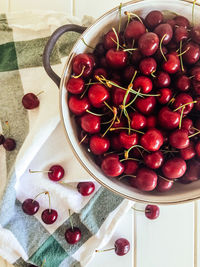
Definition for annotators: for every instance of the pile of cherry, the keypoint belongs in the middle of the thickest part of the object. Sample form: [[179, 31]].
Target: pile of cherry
[[136, 101]]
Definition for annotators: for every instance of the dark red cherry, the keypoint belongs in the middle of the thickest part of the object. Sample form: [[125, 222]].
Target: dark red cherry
[[148, 43], [99, 50], [9, 144], [192, 173], [56, 172], [103, 63], [2, 139], [197, 104], [195, 34], [186, 124], [82, 63], [179, 139], [195, 73], [197, 148], [73, 235], [83, 137], [151, 122], [111, 165], [180, 33], [128, 73], [146, 105], [183, 83], [122, 246], [100, 72], [168, 119], [162, 79], [165, 95], [153, 18], [146, 179], [110, 40], [158, 56], [143, 83], [136, 57], [85, 188], [115, 143], [97, 94], [128, 140], [193, 53], [152, 212], [49, 216], [130, 166], [118, 97], [164, 185], [172, 64], [182, 99], [164, 29], [148, 65], [152, 140], [30, 206], [75, 85], [90, 123], [154, 160], [30, 101], [188, 152], [78, 106], [134, 30], [174, 168], [196, 87], [138, 121], [99, 145], [116, 59], [182, 21]]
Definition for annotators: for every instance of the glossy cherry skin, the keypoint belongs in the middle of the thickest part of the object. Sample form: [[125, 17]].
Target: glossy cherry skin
[[9, 144], [97, 94], [108, 40], [148, 65], [130, 166], [122, 246], [188, 152], [153, 18], [183, 83], [146, 179], [195, 34], [99, 72], [136, 57], [90, 123], [85, 188], [49, 216], [116, 59], [179, 139], [182, 21], [192, 173], [151, 122], [164, 185], [134, 30], [186, 124], [111, 165], [56, 172], [30, 206], [138, 121], [197, 148], [152, 212], [146, 105], [148, 43], [174, 168], [195, 72], [30, 101], [115, 143], [75, 85], [196, 87], [73, 235], [165, 95], [99, 144], [172, 64], [182, 99], [193, 53], [152, 140], [168, 119], [118, 96], [154, 160], [162, 79], [143, 83], [164, 29], [158, 56], [180, 33], [127, 140], [78, 106], [80, 61]]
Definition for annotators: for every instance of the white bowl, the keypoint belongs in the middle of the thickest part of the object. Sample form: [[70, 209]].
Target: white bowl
[[179, 192]]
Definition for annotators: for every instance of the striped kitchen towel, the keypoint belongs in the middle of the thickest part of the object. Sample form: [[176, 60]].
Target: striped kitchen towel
[[25, 239]]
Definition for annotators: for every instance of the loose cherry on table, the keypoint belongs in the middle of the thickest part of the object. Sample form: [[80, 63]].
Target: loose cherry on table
[[86, 188], [30, 206], [30, 100], [9, 144], [152, 212], [121, 247], [55, 172], [49, 216], [72, 234]]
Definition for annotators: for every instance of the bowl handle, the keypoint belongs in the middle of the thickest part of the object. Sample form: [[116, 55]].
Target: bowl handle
[[50, 45]]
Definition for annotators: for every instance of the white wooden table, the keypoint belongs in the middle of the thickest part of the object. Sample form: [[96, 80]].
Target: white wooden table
[[173, 240]]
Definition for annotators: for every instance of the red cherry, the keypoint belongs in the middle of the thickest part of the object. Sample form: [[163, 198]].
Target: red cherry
[[183, 83], [99, 144], [30, 101], [99, 50], [146, 179], [128, 140], [153, 18], [78, 106], [134, 30], [56, 172], [148, 65], [146, 105], [182, 21], [122, 246], [81, 61], [151, 122], [118, 97], [97, 94], [111, 165], [188, 152], [9, 144], [138, 121], [90, 123], [152, 212], [49, 216], [193, 53], [75, 85], [130, 167], [116, 59], [195, 72], [180, 33], [162, 79], [197, 148], [186, 124], [197, 105], [179, 139], [174, 168], [196, 87], [172, 64], [154, 160], [73, 235], [152, 140], [109, 40], [143, 83], [192, 173], [115, 143], [85, 188], [164, 185], [165, 95], [148, 43], [168, 119], [158, 55], [128, 73], [195, 34], [182, 99], [164, 29], [99, 72], [136, 57], [30, 206]]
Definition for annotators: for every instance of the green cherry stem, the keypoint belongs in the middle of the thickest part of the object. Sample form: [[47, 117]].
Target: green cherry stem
[[165, 179], [194, 134], [113, 120], [181, 118], [103, 250], [82, 39], [84, 137], [79, 75], [120, 17], [125, 128], [126, 175], [193, 102], [130, 159], [193, 7], [133, 15], [135, 146], [96, 114], [117, 38], [87, 87], [44, 192], [161, 51]]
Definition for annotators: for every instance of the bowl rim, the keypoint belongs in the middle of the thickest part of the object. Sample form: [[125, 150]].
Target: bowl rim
[[71, 54]]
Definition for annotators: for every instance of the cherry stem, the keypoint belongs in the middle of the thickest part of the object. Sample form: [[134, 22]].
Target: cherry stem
[[165, 179], [181, 118], [130, 159], [31, 171], [117, 38], [152, 74], [122, 47], [126, 175], [120, 17], [134, 15], [125, 128], [82, 39], [83, 139], [169, 151], [96, 114], [132, 101], [47, 193], [70, 220], [181, 59], [195, 128], [127, 151], [108, 249], [113, 120], [76, 77], [137, 209], [87, 86], [44, 192], [106, 122], [161, 51], [40, 93], [194, 134], [193, 7], [193, 102]]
